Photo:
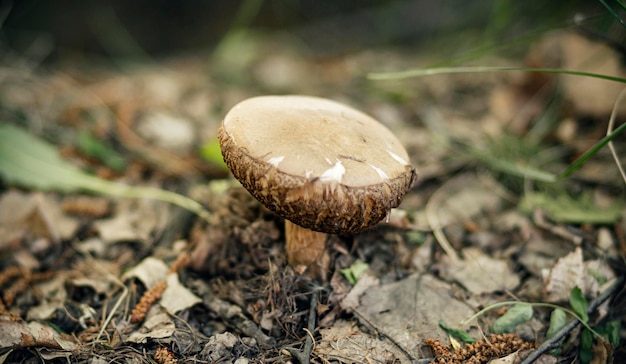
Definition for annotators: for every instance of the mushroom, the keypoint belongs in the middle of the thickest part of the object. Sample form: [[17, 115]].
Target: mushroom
[[324, 167]]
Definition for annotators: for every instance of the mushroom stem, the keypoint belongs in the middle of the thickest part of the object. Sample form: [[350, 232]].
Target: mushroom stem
[[306, 250]]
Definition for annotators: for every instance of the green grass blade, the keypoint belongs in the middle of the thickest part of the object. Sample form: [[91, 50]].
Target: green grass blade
[[421, 72], [613, 12], [514, 168], [503, 166], [30, 162], [593, 150]]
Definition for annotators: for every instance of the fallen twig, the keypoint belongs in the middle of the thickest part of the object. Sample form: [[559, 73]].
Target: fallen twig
[[304, 356]]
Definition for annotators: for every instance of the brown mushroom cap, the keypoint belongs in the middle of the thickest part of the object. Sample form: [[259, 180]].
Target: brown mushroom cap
[[318, 163]]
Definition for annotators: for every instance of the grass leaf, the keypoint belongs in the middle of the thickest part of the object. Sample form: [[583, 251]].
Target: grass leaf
[[562, 207], [421, 72], [32, 163], [558, 320], [459, 334], [355, 271], [518, 314], [611, 331], [585, 352], [593, 150], [614, 12], [95, 148], [579, 304]]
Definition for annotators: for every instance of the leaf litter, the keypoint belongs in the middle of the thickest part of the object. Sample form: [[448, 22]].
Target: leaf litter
[[75, 277]]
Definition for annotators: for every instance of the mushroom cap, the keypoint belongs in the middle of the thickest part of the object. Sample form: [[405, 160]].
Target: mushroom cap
[[316, 162]]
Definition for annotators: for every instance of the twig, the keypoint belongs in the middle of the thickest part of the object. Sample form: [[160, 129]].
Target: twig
[[304, 356], [539, 218], [116, 306], [308, 344], [554, 342], [432, 216]]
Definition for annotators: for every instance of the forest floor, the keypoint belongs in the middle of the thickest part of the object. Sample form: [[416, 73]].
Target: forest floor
[[480, 230]]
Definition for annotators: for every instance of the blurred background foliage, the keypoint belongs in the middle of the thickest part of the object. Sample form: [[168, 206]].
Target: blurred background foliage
[[68, 29]]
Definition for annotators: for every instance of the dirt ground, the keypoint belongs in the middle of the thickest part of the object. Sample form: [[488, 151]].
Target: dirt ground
[[479, 232]]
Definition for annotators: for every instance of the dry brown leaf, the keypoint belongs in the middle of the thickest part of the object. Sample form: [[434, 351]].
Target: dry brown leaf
[[479, 273], [18, 334], [176, 296], [563, 276], [133, 220], [408, 311], [346, 343]]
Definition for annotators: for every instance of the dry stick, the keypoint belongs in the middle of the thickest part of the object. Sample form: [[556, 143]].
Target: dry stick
[[308, 344], [432, 212], [117, 304], [304, 356], [554, 342]]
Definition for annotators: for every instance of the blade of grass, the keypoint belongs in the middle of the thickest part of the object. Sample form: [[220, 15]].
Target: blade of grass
[[613, 12], [518, 170], [30, 162], [591, 151], [504, 166], [421, 72], [543, 176]]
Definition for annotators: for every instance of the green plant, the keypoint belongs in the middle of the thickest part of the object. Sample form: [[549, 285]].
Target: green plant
[[31, 162]]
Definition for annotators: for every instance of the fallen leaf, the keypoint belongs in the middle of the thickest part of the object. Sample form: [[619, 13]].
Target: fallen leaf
[[14, 334], [134, 220], [346, 343], [158, 325], [409, 311], [479, 273], [558, 320], [509, 359], [53, 295], [566, 273], [149, 272], [514, 316], [177, 297], [351, 300]]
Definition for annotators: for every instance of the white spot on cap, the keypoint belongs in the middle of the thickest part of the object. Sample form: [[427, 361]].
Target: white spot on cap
[[328, 160], [275, 161], [308, 173], [334, 173], [397, 158], [380, 172]]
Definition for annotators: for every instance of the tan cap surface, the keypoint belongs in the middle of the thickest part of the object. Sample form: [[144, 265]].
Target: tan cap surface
[[345, 169]]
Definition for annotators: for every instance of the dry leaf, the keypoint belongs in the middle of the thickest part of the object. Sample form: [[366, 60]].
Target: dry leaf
[[563, 276], [480, 273], [346, 343], [409, 311], [176, 296]]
